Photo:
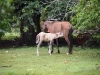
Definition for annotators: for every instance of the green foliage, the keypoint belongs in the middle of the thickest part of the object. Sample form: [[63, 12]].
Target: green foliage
[[27, 9], [87, 15], [49, 9], [14, 34], [6, 18], [58, 9]]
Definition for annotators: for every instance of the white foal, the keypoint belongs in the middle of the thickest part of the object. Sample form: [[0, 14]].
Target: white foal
[[47, 37]]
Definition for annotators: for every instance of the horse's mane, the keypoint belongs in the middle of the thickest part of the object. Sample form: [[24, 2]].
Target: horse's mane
[[51, 21], [54, 21]]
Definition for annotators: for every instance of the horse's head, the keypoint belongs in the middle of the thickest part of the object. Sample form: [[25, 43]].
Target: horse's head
[[45, 26]]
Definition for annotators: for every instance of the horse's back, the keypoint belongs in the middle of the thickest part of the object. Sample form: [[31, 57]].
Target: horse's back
[[58, 26], [66, 25]]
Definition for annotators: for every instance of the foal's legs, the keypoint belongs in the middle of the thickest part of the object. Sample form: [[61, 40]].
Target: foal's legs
[[38, 47], [50, 46], [49, 49]]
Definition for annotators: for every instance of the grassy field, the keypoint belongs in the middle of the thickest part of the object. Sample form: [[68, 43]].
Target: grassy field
[[23, 61]]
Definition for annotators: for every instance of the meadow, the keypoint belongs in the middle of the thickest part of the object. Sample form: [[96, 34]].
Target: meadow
[[24, 61]]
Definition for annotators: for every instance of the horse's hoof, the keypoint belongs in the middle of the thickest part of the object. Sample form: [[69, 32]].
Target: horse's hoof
[[59, 52], [51, 52], [37, 54], [67, 53]]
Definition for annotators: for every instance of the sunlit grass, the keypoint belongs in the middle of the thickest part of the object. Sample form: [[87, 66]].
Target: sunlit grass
[[13, 34], [24, 61]]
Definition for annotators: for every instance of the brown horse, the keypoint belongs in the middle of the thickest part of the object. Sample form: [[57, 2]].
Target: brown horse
[[64, 27]]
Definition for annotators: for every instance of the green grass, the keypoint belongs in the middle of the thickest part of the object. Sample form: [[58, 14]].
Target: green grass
[[15, 33], [24, 61]]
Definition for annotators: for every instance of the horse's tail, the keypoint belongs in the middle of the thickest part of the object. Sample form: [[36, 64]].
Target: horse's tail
[[37, 39], [70, 36], [71, 31]]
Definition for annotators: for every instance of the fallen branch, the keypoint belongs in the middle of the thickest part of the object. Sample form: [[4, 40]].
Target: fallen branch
[[6, 66]]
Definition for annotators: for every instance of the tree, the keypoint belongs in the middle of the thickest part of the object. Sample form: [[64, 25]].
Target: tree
[[29, 13], [59, 9], [87, 17], [6, 17]]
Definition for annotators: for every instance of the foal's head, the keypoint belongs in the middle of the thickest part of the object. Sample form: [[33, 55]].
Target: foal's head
[[59, 34]]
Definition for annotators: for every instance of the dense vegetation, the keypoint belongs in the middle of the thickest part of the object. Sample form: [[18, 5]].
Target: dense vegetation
[[6, 16], [27, 15], [87, 17]]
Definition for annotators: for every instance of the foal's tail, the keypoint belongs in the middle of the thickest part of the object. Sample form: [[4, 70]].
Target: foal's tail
[[37, 39]]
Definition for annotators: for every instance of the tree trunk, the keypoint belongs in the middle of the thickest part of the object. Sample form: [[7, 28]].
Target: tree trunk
[[36, 20], [28, 38], [22, 33]]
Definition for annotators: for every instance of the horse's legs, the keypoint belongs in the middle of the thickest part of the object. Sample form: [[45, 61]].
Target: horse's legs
[[71, 44], [69, 39], [68, 42], [57, 45]]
